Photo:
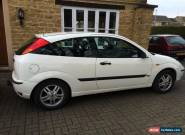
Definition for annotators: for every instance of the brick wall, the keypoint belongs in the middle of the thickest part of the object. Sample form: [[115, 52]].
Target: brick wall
[[135, 24], [44, 16], [142, 26], [41, 16]]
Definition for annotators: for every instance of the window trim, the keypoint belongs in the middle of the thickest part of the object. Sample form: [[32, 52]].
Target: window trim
[[96, 10]]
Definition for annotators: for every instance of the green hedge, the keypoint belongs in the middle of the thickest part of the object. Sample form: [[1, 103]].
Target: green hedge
[[168, 30]]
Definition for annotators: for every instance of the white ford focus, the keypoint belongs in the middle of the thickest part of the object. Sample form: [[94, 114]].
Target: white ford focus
[[51, 68]]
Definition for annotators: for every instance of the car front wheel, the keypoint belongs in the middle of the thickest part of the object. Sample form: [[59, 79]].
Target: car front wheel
[[164, 81], [51, 94]]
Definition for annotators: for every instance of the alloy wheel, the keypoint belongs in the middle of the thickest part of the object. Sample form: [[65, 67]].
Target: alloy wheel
[[165, 82], [51, 95]]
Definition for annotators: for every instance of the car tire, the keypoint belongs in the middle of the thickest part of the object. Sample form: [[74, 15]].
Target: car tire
[[51, 94], [164, 81]]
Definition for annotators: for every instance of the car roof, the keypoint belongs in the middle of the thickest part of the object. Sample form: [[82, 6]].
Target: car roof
[[53, 37], [164, 35]]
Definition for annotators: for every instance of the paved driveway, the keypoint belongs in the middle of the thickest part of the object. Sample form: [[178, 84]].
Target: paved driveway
[[119, 113]]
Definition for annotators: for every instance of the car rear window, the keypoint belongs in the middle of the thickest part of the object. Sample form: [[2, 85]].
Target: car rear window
[[25, 45], [74, 47], [175, 40]]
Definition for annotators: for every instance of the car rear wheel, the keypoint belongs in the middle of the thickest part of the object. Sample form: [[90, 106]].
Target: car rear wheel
[[164, 81], [51, 94]]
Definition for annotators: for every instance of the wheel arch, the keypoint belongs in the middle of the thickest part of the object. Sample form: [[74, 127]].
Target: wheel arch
[[170, 69], [34, 89]]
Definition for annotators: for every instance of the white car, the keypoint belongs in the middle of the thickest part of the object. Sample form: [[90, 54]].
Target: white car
[[52, 68]]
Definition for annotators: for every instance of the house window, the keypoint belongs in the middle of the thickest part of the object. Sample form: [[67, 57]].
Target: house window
[[68, 20], [90, 20], [102, 21], [112, 23], [79, 20]]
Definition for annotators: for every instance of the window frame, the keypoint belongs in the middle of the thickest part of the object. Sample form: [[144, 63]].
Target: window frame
[[97, 11]]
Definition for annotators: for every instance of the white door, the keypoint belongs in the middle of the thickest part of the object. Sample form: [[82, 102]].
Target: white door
[[119, 64]]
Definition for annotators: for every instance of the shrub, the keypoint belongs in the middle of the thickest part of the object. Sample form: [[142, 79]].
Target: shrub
[[169, 30]]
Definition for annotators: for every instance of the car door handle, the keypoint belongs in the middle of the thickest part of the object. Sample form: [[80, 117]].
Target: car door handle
[[105, 63]]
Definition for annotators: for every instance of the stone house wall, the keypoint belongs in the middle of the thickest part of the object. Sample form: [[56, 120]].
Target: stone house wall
[[44, 16]]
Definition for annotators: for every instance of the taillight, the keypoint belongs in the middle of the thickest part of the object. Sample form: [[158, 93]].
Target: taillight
[[38, 43]]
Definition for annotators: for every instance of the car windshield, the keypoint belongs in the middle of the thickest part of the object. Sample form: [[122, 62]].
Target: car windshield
[[175, 40]]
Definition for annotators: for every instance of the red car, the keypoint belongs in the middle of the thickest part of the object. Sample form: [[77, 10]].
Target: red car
[[170, 45]]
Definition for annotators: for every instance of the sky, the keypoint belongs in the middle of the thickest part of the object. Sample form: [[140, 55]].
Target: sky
[[170, 8]]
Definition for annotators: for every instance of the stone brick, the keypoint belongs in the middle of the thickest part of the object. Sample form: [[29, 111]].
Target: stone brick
[[40, 17]]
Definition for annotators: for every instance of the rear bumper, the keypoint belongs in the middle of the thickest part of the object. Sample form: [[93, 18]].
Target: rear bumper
[[22, 88]]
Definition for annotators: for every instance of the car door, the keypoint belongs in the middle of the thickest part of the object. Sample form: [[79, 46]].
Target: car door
[[82, 64], [119, 64]]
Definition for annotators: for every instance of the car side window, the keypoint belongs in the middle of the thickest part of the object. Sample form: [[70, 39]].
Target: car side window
[[59, 48], [116, 48], [84, 47], [155, 40], [77, 47]]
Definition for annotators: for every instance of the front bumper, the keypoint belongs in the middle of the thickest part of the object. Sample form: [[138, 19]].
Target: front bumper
[[180, 74]]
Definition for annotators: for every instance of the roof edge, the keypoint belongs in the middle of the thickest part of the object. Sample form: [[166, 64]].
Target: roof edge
[[90, 4], [103, 4], [146, 6]]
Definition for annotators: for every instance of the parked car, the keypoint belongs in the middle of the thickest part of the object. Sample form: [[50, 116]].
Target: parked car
[[52, 68], [170, 45]]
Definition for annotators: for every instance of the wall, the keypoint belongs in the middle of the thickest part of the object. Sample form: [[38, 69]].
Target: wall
[[41, 16], [142, 26], [44, 16], [135, 24]]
